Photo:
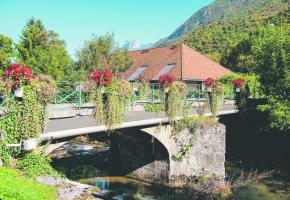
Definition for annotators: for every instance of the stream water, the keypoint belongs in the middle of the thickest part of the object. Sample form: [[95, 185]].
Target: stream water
[[87, 162]]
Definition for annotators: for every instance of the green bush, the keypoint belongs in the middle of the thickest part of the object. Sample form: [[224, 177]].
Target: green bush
[[154, 107], [192, 123], [15, 186], [252, 82], [35, 164]]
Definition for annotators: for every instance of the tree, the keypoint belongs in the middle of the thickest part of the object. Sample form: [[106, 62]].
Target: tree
[[43, 51], [266, 53], [103, 52], [7, 51]]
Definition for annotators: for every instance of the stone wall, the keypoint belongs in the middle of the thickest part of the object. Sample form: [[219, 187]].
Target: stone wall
[[206, 155], [144, 160]]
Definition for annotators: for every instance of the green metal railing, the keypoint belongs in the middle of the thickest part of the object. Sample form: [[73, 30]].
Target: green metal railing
[[71, 92]]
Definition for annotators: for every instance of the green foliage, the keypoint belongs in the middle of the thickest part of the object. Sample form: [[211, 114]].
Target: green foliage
[[36, 164], [103, 51], [268, 56], [252, 81], [174, 100], [224, 12], [25, 118], [7, 51], [278, 111], [192, 123], [186, 123], [215, 98], [112, 105], [154, 107], [220, 40], [143, 90], [184, 151], [43, 51], [15, 186]]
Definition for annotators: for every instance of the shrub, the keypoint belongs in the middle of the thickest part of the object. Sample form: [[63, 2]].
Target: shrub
[[252, 81], [154, 107], [13, 185], [192, 123], [35, 164]]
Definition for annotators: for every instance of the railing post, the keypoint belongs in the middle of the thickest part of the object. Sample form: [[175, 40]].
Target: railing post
[[79, 101], [153, 88]]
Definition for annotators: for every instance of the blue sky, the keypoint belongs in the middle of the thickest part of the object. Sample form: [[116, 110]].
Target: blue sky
[[76, 20]]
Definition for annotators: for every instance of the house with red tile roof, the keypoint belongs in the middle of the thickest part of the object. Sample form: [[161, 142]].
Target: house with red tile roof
[[180, 60]]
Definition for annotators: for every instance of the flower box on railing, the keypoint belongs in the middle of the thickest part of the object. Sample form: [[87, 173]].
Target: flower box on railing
[[30, 144], [18, 93]]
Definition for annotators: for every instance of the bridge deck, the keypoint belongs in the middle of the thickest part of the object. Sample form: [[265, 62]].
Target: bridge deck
[[66, 127]]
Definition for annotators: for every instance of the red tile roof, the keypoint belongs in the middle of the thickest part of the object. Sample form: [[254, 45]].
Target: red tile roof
[[190, 64]]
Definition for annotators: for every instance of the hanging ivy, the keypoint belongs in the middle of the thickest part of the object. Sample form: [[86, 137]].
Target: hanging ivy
[[175, 99], [24, 117], [111, 97], [215, 97]]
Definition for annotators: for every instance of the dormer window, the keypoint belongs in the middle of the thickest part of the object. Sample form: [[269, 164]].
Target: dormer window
[[165, 70], [137, 73]]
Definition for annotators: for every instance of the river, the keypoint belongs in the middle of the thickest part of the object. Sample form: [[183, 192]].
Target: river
[[87, 162]]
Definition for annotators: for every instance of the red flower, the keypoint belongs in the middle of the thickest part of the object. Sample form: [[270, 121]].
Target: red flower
[[166, 80], [238, 83], [17, 75], [27, 71], [103, 78], [7, 72], [209, 82]]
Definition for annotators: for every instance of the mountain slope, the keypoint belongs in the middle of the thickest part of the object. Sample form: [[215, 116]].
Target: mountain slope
[[217, 11]]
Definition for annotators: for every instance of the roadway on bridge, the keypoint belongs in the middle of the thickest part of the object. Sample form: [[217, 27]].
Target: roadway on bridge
[[77, 122]]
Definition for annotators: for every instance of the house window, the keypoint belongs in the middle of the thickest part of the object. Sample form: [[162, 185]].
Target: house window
[[137, 73], [165, 70]]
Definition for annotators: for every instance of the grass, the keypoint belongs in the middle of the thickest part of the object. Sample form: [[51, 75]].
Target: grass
[[14, 185]]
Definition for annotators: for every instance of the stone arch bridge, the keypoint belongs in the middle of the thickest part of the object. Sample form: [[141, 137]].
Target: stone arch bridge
[[185, 154]]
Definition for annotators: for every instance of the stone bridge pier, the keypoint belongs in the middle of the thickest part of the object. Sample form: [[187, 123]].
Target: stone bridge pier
[[155, 154]]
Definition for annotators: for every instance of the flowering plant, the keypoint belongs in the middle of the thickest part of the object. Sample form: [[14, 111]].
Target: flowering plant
[[166, 80], [238, 83], [17, 75], [102, 78], [209, 82], [86, 87], [45, 88]]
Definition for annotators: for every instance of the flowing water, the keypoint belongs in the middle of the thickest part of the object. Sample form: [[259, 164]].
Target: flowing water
[[88, 163]]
